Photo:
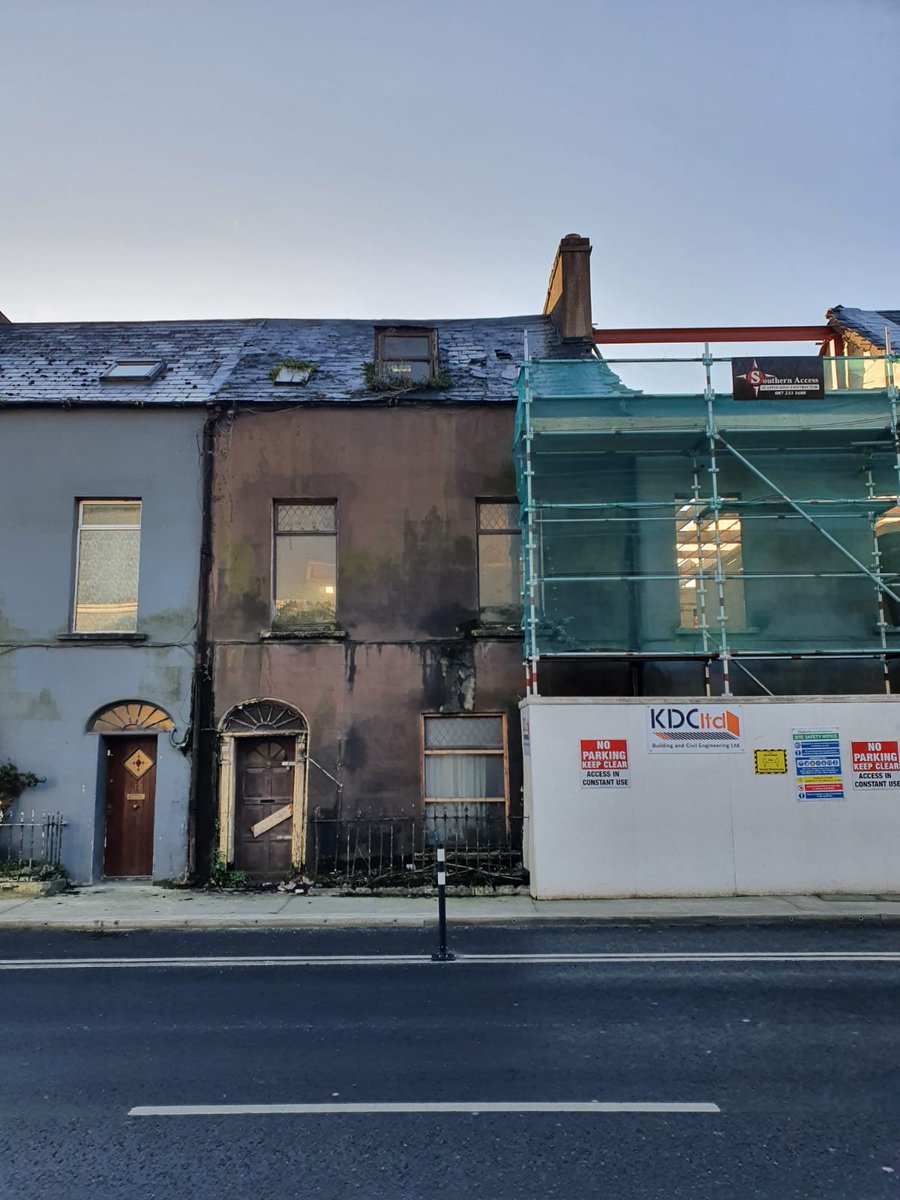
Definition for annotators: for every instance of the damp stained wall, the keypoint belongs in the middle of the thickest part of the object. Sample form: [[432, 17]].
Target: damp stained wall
[[406, 479], [50, 687]]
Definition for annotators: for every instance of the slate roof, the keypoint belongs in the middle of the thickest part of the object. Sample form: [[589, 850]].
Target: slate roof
[[231, 360], [868, 323], [62, 363]]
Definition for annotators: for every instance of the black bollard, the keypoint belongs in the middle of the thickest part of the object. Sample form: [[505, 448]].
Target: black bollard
[[442, 955]]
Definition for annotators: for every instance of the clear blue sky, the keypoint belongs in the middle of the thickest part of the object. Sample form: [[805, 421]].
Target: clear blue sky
[[731, 160]]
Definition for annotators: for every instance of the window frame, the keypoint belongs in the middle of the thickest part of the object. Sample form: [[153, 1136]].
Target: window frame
[[79, 526], [681, 502], [156, 365], [382, 368], [517, 529], [503, 751], [319, 502]]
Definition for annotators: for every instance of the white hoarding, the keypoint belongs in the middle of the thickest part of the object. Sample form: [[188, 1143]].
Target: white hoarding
[[614, 810]]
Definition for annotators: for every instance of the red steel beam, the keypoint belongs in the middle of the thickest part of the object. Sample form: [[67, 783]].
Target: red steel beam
[[721, 333]]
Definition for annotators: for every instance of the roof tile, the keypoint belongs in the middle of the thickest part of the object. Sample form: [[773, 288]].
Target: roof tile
[[231, 360]]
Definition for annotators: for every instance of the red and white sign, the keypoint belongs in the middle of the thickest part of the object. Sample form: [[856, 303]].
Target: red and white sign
[[604, 762], [875, 765]]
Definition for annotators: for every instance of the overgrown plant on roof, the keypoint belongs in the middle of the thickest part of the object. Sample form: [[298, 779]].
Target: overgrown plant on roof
[[294, 366], [394, 383]]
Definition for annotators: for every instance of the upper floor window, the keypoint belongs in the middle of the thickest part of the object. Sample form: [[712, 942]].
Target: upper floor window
[[696, 557], [406, 354], [106, 570], [305, 554], [499, 562]]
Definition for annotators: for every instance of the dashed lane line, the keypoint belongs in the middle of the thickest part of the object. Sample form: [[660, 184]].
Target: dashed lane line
[[474, 1107]]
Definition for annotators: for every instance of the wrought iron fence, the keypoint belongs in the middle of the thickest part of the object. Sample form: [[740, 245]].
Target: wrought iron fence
[[482, 850], [32, 841]]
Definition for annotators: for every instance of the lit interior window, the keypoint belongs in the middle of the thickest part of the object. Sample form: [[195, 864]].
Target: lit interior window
[[888, 522], [305, 563], [695, 554]]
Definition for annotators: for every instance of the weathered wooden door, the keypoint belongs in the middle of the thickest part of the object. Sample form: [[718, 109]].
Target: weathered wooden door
[[130, 798], [264, 806]]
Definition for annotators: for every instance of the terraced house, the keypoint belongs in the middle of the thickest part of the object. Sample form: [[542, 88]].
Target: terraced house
[[101, 437], [261, 580]]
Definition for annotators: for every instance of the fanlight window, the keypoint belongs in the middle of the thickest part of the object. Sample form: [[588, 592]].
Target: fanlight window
[[264, 716], [129, 715]]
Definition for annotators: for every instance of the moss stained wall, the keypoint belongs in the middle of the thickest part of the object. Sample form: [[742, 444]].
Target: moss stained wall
[[406, 480]]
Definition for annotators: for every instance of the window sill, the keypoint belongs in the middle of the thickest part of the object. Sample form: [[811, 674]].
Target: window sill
[[713, 627], [504, 633], [309, 633], [125, 638]]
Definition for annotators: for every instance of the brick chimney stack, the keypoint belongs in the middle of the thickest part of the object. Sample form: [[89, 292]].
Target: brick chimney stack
[[568, 302]]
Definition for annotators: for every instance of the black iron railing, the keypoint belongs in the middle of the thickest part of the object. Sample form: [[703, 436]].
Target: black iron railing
[[32, 841], [481, 851]]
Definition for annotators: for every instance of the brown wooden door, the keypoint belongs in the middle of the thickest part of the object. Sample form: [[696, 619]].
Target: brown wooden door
[[130, 797], [263, 806]]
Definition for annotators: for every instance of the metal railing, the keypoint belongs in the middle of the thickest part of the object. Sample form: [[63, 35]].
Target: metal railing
[[32, 841], [401, 852]]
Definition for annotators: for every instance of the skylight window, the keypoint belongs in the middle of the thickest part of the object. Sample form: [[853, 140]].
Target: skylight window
[[137, 370], [293, 371]]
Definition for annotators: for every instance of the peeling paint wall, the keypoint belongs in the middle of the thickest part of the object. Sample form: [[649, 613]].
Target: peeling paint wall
[[406, 480], [49, 687]]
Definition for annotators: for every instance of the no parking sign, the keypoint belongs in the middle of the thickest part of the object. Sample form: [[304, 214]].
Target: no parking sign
[[604, 762]]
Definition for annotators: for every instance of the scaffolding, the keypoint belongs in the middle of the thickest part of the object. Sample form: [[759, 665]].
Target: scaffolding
[[664, 526]]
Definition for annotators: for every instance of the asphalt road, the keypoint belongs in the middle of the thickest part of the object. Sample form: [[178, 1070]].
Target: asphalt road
[[797, 1062]]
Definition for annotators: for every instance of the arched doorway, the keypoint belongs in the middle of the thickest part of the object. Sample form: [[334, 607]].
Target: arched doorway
[[262, 787], [128, 745]]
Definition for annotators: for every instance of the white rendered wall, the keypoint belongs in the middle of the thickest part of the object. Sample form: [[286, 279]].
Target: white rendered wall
[[692, 823]]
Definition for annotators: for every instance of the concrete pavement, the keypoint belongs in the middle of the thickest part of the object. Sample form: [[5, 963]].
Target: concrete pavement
[[132, 906]]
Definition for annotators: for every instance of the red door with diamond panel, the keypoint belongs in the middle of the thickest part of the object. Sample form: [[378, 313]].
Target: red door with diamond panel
[[130, 797]]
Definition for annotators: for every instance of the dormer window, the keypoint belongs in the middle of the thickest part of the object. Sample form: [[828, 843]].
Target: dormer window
[[406, 354], [134, 370]]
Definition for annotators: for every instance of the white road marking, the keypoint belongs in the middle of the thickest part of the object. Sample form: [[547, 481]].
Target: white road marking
[[350, 960], [422, 1106]]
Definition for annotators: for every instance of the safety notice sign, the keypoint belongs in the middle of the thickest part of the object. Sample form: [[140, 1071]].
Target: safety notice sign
[[604, 763], [875, 765], [770, 762], [817, 764]]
